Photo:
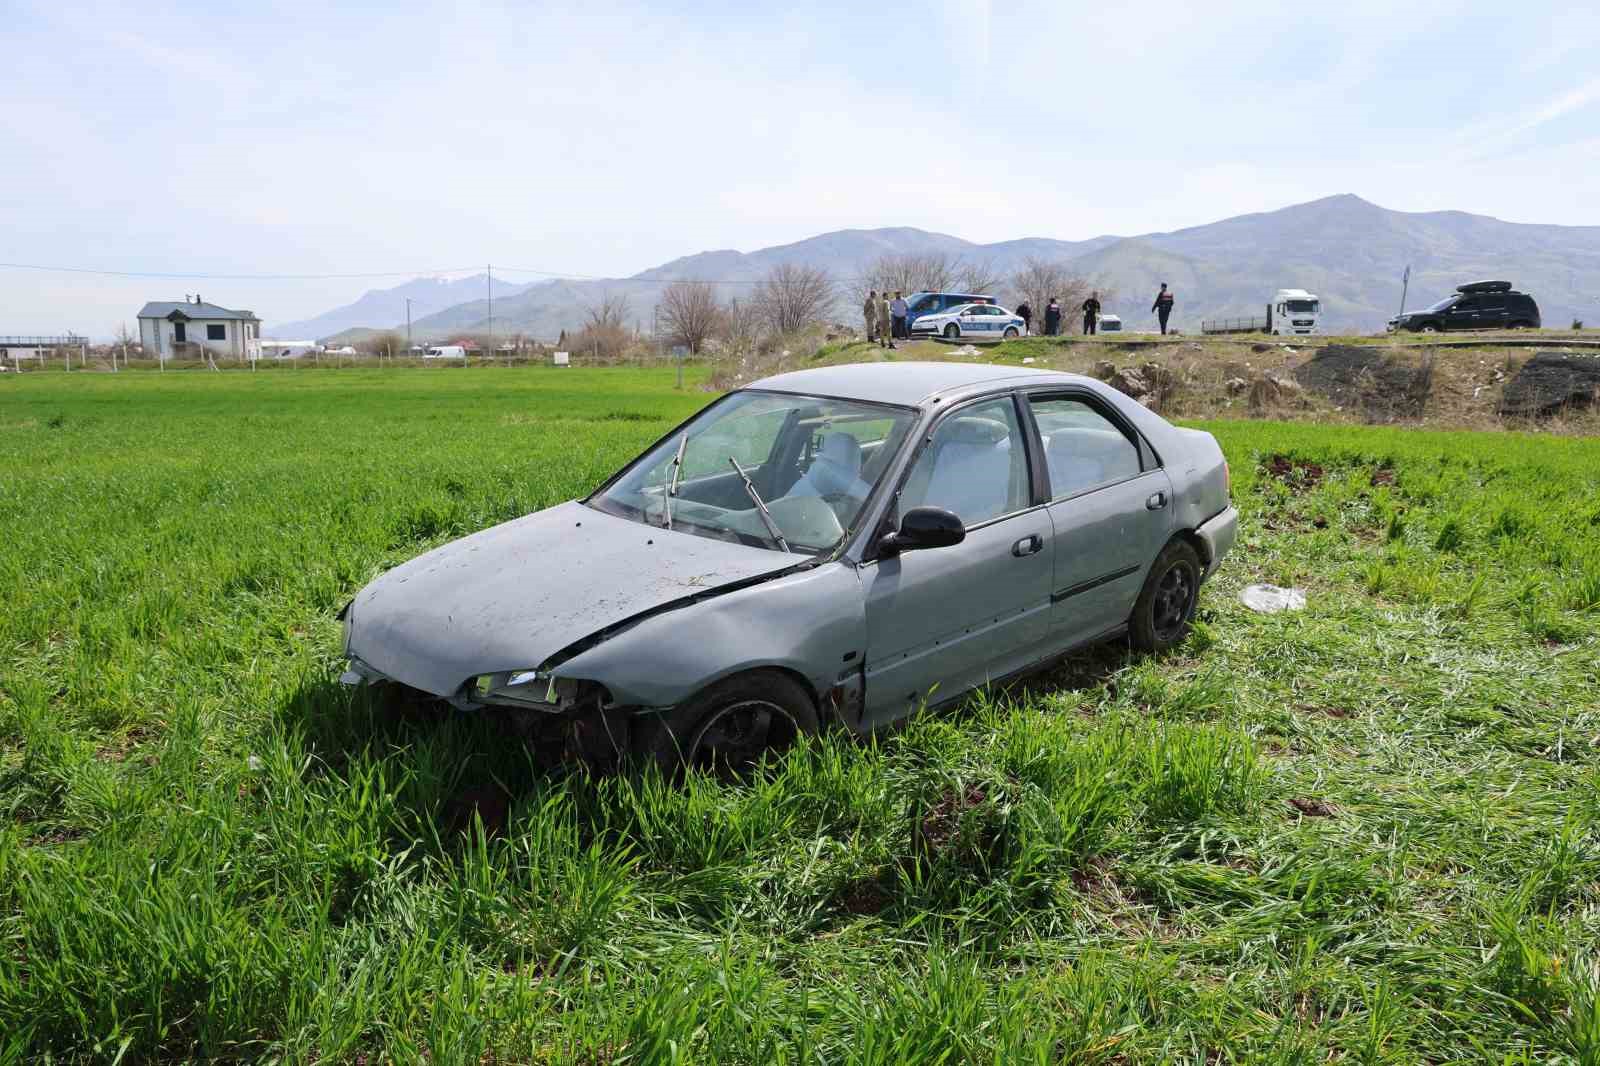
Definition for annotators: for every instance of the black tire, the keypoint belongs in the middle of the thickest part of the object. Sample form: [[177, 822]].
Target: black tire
[[728, 728], [1011, 333], [1429, 328], [1165, 607], [952, 331]]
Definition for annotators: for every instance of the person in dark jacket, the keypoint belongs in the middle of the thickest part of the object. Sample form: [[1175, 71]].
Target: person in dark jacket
[[1091, 314], [1025, 313], [1163, 305], [1052, 318]]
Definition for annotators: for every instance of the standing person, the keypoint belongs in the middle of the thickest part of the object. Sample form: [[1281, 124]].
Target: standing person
[[885, 321], [898, 308], [1091, 315], [1163, 306], [869, 311], [1052, 318], [1025, 313]]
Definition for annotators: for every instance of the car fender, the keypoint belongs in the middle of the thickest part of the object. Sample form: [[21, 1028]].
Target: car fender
[[811, 623]]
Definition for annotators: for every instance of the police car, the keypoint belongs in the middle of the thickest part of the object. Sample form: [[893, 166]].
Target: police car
[[975, 321]]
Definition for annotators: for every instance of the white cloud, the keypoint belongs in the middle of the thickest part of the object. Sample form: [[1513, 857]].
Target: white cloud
[[603, 139]]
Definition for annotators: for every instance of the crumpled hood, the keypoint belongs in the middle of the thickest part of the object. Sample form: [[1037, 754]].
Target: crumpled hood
[[511, 596]]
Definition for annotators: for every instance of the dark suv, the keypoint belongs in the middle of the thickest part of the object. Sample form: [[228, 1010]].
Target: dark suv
[[1481, 305]]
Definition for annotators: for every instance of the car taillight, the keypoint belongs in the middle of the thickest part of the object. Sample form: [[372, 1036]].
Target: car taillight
[[1227, 480]]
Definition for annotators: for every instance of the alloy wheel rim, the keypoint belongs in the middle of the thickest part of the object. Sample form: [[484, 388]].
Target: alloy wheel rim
[[734, 738], [1174, 596]]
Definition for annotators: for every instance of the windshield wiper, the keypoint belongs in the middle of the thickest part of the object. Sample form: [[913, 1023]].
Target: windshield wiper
[[761, 507], [670, 490]]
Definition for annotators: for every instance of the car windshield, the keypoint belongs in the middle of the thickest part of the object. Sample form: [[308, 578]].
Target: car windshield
[[1442, 304], [770, 470], [1302, 307]]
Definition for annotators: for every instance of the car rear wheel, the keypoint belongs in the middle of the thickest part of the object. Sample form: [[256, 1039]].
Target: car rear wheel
[[1165, 607], [952, 331], [1520, 325], [730, 727], [1011, 333]]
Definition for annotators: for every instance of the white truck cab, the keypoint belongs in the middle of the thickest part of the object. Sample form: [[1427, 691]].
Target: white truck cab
[[1295, 311]]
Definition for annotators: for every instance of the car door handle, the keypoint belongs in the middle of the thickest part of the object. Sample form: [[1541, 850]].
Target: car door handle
[[1029, 545], [1156, 501]]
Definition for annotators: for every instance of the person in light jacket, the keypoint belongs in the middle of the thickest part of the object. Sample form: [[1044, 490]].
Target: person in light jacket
[[899, 309]]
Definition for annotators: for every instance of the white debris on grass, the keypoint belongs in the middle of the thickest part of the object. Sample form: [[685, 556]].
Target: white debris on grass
[[1270, 599], [967, 349], [1028, 359]]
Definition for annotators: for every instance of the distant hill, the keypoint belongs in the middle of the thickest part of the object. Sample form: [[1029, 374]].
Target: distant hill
[[1351, 253], [386, 308], [1348, 251]]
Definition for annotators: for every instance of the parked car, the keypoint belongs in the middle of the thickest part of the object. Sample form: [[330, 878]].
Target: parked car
[[978, 321], [933, 303], [1481, 305], [840, 544], [1110, 324], [445, 351]]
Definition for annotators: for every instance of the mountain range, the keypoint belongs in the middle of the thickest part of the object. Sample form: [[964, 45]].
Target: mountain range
[[1348, 251]]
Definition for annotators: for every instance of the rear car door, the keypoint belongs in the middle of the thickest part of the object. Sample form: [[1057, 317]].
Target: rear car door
[[1493, 311], [1110, 510], [954, 618]]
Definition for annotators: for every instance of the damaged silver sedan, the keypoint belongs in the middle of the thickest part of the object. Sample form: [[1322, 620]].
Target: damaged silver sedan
[[845, 544]]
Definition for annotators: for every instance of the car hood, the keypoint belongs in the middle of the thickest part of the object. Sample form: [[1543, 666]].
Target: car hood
[[511, 596]]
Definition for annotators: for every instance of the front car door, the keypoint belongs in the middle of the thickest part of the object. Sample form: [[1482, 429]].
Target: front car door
[[1110, 509], [1463, 314], [946, 620]]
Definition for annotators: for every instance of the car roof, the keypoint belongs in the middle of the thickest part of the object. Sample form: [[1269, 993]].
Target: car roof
[[907, 384]]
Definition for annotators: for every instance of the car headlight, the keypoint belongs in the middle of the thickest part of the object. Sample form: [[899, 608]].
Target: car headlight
[[528, 688]]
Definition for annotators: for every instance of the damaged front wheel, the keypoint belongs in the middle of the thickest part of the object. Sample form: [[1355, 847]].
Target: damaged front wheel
[[730, 727]]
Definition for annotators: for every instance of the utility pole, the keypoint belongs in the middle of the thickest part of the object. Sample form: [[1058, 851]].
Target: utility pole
[[1405, 283], [489, 269], [409, 347]]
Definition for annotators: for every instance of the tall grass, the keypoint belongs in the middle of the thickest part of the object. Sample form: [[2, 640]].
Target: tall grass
[[1367, 831]]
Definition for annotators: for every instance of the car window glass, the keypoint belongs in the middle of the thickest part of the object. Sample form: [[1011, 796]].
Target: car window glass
[[1467, 303], [748, 437], [1082, 447], [974, 466]]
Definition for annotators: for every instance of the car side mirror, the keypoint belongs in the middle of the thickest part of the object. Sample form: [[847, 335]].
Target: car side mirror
[[924, 527]]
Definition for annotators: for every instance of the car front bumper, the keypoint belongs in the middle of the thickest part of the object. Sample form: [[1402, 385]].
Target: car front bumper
[[1218, 534]]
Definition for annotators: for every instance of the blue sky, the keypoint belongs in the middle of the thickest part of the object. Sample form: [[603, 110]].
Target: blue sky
[[603, 138]]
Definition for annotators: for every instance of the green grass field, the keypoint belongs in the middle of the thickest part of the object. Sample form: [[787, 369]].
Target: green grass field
[[1365, 832]]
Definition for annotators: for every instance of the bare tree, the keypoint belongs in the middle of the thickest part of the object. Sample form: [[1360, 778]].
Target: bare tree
[[606, 333], [689, 311], [383, 343], [739, 326], [610, 313], [927, 272], [978, 276], [125, 340], [792, 297], [1038, 281]]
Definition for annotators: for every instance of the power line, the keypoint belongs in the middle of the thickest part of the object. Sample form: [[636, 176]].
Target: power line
[[232, 277], [559, 274]]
